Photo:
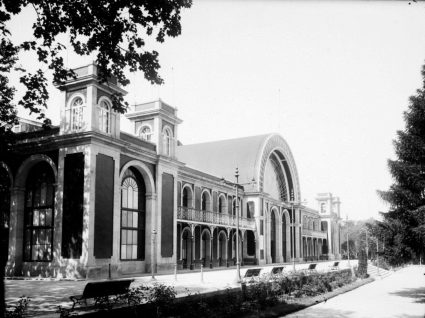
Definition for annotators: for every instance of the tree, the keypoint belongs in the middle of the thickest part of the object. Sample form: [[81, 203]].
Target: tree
[[115, 31], [356, 236], [403, 227]]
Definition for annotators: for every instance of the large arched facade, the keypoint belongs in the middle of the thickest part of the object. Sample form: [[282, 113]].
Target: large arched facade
[[87, 200]]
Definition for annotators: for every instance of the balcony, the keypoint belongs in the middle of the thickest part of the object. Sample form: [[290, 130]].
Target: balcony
[[213, 218], [314, 233]]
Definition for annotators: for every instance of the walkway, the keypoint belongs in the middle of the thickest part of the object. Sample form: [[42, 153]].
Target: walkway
[[401, 294], [47, 295]]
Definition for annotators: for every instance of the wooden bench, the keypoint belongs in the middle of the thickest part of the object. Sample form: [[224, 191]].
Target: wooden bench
[[251, 274], [277, 270], [334, 266], [102, 290], [311, 268]]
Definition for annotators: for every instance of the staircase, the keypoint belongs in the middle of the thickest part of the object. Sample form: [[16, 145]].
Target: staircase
[[373, 271]]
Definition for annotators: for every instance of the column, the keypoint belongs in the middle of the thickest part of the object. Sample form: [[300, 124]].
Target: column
[[57, 232], [279, 238], [288, 242], [211, 250], [16, 224], [227, 251], [268, 239], [88, 210], [297, 240], [151, 199]]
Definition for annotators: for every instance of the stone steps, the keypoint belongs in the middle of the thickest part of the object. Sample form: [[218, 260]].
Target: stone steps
[[373, 271]]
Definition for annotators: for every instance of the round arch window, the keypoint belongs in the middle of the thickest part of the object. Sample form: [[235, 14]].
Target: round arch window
[[104, 110], [146, 133]]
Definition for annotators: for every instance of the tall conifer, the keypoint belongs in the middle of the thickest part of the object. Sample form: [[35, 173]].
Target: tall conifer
[[405, 220]]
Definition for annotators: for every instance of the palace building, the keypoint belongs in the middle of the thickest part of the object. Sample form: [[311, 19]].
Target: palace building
[[85, 199]]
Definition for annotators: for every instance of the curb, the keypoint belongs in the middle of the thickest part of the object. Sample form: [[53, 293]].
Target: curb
[[302, 303]]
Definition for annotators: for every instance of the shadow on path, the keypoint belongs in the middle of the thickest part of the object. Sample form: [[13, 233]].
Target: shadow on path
[[418, 294], [325, 313]]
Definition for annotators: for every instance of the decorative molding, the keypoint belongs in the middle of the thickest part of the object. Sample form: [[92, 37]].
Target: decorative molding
[[277, 143]]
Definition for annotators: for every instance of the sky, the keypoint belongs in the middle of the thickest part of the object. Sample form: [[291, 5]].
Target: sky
[[333, 78]]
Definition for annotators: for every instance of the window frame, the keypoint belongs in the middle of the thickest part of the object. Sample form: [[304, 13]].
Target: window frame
[[101, 111], [147, 137], [71, 107], [28, 225], [141, 219], [167, 137]]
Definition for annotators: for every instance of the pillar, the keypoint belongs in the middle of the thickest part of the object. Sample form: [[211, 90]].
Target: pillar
[[16, 224]]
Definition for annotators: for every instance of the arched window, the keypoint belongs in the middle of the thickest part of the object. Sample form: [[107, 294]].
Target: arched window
[[104, 110], [187, 197], [75, 113], [132, 217], [167, 141], [221, 204], [146, 133], [238, 207], [38, 219], [205, 201]]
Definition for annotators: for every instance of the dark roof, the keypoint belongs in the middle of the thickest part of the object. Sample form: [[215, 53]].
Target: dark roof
[[220, 158]]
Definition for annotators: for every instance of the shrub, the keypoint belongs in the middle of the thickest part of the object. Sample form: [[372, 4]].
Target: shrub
[[262, 294], [362, 268], [299, 284], [19, 309]]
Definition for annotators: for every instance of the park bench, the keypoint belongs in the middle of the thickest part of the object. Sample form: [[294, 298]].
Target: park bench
[[311, 268], [277, 270], [251, 274], [101, 291], [334, 266]]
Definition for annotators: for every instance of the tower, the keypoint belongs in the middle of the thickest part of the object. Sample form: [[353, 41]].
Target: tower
[[329, 211], [88, 104], [156, 122]]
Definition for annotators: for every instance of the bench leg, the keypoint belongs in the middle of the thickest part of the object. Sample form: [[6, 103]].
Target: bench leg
[[77, 301]]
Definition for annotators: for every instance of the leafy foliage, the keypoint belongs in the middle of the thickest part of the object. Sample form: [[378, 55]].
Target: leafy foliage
[[160, 300], [19, 309], [115, 31], [403, 228]]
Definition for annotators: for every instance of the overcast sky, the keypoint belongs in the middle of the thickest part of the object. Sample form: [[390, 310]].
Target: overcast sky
[[332, 78]]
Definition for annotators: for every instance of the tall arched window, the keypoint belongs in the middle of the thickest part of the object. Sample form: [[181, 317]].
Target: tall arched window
[[168, 136], [75, 113], [104, 110], [206, 201], [221, 204], [187, 197], [132, 216], [145, 133], [38, 219]]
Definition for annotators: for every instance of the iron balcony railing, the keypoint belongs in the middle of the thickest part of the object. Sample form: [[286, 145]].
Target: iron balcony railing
[[314, 233], [216, 218]]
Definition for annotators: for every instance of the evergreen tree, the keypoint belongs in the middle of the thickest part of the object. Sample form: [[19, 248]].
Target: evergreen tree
[[404, 224]]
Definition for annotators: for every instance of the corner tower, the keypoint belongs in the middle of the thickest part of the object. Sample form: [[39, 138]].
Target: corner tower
[[329, 211], [88, 104], [156, 122]]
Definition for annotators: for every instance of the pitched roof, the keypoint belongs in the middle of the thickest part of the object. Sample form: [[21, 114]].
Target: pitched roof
[[220, 158]]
